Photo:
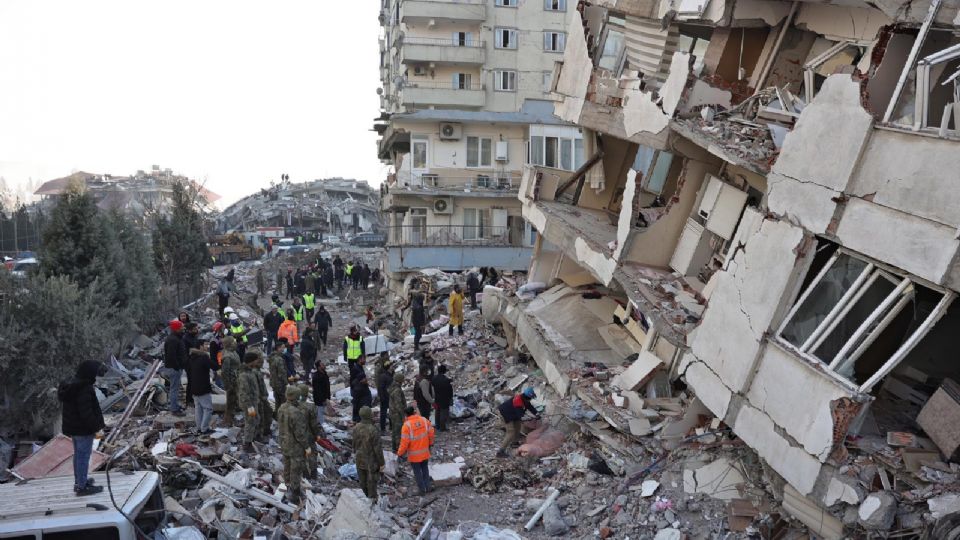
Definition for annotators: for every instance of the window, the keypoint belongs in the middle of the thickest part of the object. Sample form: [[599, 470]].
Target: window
[[479, 152], [536, 149], [506, 3], [505, 38], [657, 176], [461, 81], [578, 157], [419, 151], [554, 41], [566, 154], [555, 5], [462, 39], [483, 181], [547, 81], [550, 152], [614, 47], [556, 152], [476, 223], [505, 81]]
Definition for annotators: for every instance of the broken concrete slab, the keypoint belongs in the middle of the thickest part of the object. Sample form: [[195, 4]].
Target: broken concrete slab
[[878, 510], [619, 340], [843, 489], [638, 372], [720, 479], [446, 474], [353, 517], [648, 488], [669, 533], [553, 522], [640, 427], [816, 518]]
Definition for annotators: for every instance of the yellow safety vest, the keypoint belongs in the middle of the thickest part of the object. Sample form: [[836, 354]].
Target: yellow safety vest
[[297, 313], [308, 301], [349, 269], [353, 348], [238, 330]]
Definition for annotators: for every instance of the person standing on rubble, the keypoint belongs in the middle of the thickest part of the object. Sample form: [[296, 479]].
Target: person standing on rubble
[[512, 411], [418, 314], [368, 453], [308, 353], [456, 310], [261, 283], [423, 394], [175, 360], [82, 419], [416, 438], [224, 289], [299, 313], [323, 322], [339, 274], [289, 280], [321, 391], [199, 387], [365, 277], [288, 330], [294, 440], [493, 276], [328, 280], [473, 287], [264, 411], [307, 412], [398, 407], [443, 393], [309, 304], [384, 375], [354, 347], [248, 394], [359, 387], [278, 286], [230, 373], [239, 333], [348, 272], [309, 284], [278, 370], [271, 324]]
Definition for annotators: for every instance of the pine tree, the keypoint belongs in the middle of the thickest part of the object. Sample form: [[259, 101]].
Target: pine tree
[[179, 242], [137, 281], [73, 242]]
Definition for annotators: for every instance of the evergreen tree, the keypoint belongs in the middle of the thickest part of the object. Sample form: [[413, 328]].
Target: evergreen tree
[[179, 242], [137, 281], [74, 243]]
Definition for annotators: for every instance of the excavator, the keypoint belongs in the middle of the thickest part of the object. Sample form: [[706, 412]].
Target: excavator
[[231, 248]]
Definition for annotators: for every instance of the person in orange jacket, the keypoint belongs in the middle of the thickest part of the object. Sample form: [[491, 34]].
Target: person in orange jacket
[[416, 438], [288, 329]]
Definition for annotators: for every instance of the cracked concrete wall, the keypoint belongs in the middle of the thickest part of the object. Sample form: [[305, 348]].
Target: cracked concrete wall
[[841, 22], [598, 263], [819, 155], [575, 75]]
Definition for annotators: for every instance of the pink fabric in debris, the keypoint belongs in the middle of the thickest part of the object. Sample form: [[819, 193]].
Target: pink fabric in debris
[[541, 442]]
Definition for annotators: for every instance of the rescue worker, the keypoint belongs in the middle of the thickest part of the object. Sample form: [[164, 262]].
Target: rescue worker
[[512, 411], [239, 333], [456, 310], [418, 314], [230, 373], [309, 286], [416, 438], [289, 280], [309, 303], [323, 321], [174, 362], [288, 330], [278, 371], [299, 314], [423, 393], [384, 375], [261, 283], [309, 419], [359, 388], [224, 289], [294, 440], [248, 392], [271, 324], [348, 272], [443, 394], [308, 352], [353, 346], [264, 411], [473, 287], [398, 405], [338, 273], [368, 453]]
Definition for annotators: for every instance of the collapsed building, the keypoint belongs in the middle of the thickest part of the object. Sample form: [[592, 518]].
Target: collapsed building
[[332, 205], [767, 202]]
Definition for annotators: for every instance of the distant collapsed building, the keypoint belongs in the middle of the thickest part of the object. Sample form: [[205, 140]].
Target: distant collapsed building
[[770, 190], [334, 206]]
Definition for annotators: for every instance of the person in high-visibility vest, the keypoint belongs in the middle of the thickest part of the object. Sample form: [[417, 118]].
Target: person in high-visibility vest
[[310, 303], [416, 438], [288, 330], [239, 333], [348, 272], [353, 346], [299, 314]]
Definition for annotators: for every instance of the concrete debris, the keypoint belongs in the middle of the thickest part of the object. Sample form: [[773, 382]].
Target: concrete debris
[[878, 511], [354, 517]]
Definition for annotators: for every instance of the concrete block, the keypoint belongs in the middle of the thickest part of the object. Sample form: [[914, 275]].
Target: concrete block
[[843, 489], [820, 522], [709, 388], [944, 505], [795, 465], [446, 474], [720, 479], [878, 510], [638, 372], [354, 515]]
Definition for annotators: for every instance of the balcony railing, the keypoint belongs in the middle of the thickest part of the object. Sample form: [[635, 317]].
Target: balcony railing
[[442, 85], [454, 235], [443, 42], [478, 182]]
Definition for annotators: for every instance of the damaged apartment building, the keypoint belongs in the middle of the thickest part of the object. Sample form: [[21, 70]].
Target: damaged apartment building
[[768, 195], [332, 205]]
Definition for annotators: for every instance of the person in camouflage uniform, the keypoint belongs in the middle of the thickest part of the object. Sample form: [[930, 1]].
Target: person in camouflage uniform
[[310, 419], [263, 410], [230, 372], [278, 374], [398, 404], [248, 390], [294, 443], [368, 453]]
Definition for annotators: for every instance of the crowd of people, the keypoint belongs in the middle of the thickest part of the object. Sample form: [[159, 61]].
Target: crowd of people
[[294, 335]]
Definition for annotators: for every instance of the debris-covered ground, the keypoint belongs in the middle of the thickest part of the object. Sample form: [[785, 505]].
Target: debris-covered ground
[[624, 455]]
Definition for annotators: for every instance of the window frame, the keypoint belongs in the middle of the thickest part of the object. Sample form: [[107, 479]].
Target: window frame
[[498, 38], [555, 38], [498, 75], [505, 3], [415, 140], [561, 5], [479, 164]]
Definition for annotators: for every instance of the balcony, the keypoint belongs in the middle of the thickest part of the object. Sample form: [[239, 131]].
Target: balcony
[[416, 50], [443, 94], [431, 11], [456, 247]]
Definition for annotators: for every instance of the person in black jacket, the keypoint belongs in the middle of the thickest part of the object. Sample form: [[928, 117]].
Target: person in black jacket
[[443, 397], [82, 419], [359, 387], [323, 321], [271, 323], [174, 361], [473, 287], [321, 391], [198, 385], [384, 380], [512, 411], [308, 353]]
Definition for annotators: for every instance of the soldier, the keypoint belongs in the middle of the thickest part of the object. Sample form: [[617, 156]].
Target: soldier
[[278, 373], [230, 372], [310, 420], [248, 388], [398, 404], [294, 443], [263, 409], [368, 453]]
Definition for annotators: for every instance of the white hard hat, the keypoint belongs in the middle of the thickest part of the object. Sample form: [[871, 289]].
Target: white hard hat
[[227, 309], [233, 317]]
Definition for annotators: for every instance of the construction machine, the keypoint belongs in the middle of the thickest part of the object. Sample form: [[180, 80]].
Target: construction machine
[[231, 248]]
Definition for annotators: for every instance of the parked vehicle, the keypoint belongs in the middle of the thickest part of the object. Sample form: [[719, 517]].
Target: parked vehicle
[[231, 248], [369, 240], [48, 507], [25, 267]]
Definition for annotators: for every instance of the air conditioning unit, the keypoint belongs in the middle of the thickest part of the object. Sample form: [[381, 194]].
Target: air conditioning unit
[[419, 70], [502, 151], [443, 206], [451, 132]]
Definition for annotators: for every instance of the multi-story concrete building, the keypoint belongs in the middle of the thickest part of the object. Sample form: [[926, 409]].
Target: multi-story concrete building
[[465, 102], [769, 194]]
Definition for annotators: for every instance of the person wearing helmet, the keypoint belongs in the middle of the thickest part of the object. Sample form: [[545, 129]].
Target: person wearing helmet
[[512, 411], [174, 361], [239, 333]]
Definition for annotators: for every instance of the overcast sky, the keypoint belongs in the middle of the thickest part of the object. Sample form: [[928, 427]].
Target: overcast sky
[[236, 92]]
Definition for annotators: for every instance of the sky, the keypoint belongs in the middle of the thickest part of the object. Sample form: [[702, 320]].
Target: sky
[[233, 93]]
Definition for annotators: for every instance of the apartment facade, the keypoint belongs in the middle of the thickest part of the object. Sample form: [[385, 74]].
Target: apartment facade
[[466, 104], [766, 193]]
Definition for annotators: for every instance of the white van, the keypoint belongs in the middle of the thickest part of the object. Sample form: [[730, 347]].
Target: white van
[[48, 509]]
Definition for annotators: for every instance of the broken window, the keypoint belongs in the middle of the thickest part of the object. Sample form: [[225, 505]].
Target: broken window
[[694, 41], [860, 318], [614, 50], [823, 63]]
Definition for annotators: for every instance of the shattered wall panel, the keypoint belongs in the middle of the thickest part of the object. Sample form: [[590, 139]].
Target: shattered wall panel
[[575, 75], [841, 22], [790, 461], [807, 204]]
